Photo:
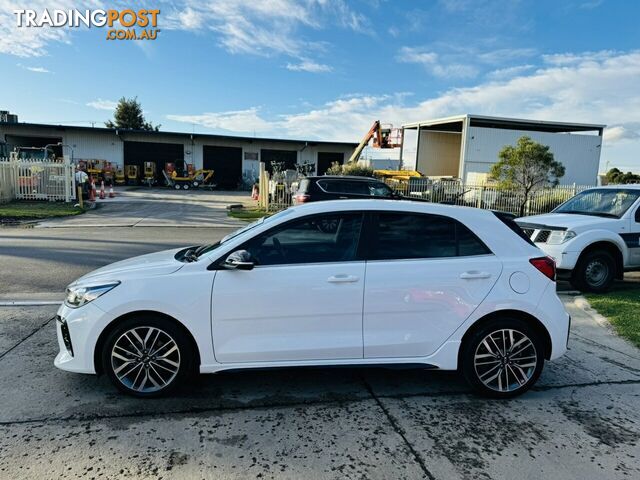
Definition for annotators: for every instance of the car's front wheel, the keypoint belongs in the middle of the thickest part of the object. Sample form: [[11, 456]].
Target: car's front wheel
[[503, 359], [146, 356], [595, 272]]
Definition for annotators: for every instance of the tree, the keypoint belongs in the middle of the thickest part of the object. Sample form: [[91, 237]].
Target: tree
[[128, 115], [615, 176], [526, 167]]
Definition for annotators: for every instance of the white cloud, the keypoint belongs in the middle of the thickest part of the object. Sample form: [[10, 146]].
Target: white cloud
[[32, 41], [434, 64], [264, 27], [244, 121], [509, 72], [309, 66], [616, 133], [34, 69], [596, 88], [448, 60], [101, 104]]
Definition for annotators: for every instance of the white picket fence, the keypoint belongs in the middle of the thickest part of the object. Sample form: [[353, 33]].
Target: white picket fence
[[32, 179]]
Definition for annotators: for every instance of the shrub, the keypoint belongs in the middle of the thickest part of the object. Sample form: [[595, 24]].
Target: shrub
[[354, 169]]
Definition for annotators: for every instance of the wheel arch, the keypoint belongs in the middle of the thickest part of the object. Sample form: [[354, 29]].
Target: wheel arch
[[610, 247], [519, 314], [97, 351]]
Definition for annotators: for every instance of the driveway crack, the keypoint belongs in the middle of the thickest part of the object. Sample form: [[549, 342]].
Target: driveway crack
[[400, 431]]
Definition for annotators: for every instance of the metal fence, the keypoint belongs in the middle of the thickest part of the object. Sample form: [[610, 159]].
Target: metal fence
[[485, 196], [33, 179], [276, 193]]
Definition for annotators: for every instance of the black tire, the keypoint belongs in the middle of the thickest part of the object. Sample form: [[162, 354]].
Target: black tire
[[520, 376], [595, 272], [182, 355]]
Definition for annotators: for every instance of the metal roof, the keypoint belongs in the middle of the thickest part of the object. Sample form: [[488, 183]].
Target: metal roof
[[514, 123], [63, 128]]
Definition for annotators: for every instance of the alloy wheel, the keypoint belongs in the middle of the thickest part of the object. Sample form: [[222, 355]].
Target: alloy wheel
[[145, 359], [505, 360]]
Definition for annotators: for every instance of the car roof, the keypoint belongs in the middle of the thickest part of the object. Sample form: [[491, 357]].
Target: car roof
[[390, 205], [343, 177]]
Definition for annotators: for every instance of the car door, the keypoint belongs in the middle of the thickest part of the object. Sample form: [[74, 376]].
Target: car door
[[303, 299], [425, 275], [632, 239]]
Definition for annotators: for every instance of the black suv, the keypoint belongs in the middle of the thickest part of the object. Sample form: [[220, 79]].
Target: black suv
[[330, 187]]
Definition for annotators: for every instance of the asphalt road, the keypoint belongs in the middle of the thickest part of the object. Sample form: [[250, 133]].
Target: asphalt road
[[581, 421], [38, 263]]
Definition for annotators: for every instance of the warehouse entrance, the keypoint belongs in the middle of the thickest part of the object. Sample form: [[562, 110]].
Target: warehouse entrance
[[136, 153], [325, 159], [288, 159], [226, 163]]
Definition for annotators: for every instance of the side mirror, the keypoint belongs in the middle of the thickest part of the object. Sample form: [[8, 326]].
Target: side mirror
[[239, 260]]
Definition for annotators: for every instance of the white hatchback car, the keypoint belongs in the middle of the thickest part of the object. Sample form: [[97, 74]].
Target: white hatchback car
[[355, 282]]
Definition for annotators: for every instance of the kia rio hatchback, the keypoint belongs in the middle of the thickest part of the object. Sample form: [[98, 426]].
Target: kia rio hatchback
[[354, 282]]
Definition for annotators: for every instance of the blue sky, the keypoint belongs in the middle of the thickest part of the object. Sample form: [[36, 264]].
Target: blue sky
[[326, 69]]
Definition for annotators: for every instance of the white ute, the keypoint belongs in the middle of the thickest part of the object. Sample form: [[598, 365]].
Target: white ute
[[594, 237]]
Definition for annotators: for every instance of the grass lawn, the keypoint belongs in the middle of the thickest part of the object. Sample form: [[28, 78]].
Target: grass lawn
[[622, 308], [248, 214], [24, 210]]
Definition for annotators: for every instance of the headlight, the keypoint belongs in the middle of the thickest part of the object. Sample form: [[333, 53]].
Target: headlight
[[80, 295], [556, 237]]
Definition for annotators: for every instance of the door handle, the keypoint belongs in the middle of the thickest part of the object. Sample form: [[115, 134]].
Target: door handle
[[342, 279], [472, 275]]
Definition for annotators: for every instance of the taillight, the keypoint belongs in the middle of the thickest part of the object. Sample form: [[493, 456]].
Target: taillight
[[546, 265], [302, 198]]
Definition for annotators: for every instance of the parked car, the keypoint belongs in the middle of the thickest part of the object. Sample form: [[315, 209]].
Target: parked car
[[335, 187], [594, 237], [388, 283]]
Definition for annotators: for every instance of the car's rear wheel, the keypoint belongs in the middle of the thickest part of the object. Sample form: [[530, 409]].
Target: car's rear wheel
[[147, 356], [595, 272], [503, 359]]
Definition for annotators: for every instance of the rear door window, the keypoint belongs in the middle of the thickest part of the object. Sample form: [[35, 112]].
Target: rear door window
[[400, 235]]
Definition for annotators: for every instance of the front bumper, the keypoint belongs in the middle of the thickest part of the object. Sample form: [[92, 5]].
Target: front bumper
[[565, 260], [78, 330]]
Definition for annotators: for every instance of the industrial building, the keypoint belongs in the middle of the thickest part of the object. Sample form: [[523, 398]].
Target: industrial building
[[231, 157], [466, 146]]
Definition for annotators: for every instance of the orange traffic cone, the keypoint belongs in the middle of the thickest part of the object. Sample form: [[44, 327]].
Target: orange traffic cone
[[111, 194], [92, 191], [102, 190]]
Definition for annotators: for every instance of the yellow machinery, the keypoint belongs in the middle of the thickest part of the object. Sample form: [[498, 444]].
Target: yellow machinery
[[397, 174], [195, 179], [95, 169], [132, 174], [120, 179], [149, 173]]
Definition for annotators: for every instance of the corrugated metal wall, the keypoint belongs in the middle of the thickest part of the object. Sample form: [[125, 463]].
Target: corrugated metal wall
[[439, 153], [580, 154]]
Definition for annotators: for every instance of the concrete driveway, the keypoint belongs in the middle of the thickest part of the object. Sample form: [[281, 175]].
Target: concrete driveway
[[582, 420], [158, 207]]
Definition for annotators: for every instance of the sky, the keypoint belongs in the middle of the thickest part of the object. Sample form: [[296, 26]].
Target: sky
[[326, 69]]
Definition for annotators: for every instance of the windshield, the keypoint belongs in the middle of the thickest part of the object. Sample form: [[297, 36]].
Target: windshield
[[602, 202]]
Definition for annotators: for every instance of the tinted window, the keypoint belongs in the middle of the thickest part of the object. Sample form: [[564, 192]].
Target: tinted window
[[319, 238], [352, 187], [638, 215], [402, 235], [379, 189]]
